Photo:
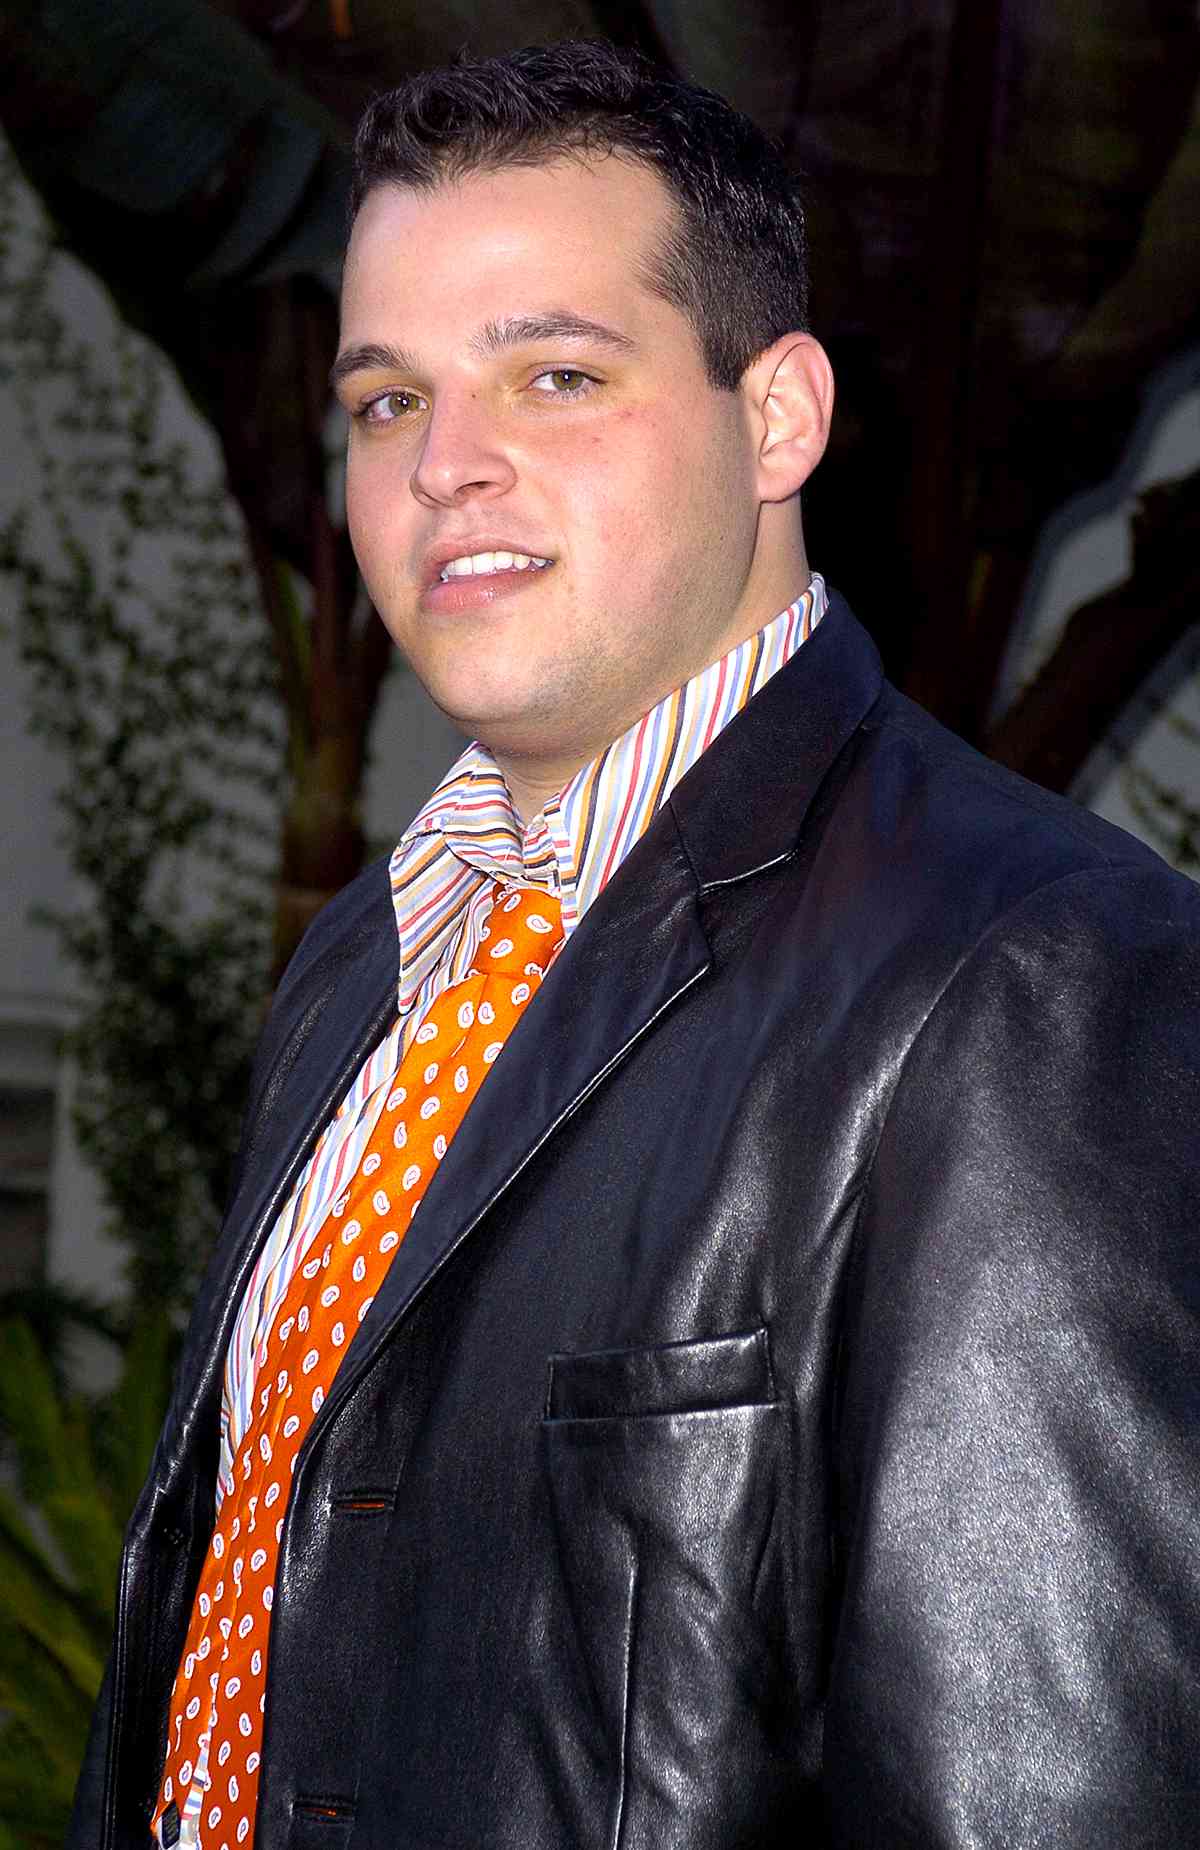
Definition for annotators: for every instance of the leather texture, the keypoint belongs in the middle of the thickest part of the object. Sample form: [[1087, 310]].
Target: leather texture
[[780, 1424]]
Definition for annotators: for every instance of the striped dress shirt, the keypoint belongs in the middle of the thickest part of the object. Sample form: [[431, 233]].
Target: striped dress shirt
[[466, 837]]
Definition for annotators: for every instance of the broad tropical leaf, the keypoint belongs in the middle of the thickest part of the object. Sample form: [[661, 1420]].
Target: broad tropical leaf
[[79, 1465]]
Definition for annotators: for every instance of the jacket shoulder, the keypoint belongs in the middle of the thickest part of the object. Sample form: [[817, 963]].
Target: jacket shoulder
[[347, 936], [358, 911], [331, 1001], [980, 806]]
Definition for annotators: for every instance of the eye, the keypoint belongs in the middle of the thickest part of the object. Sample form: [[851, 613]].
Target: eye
[[390, 408], [563, 382]]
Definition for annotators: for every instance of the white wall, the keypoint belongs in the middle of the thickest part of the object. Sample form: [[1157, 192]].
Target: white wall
[[1085, 551]]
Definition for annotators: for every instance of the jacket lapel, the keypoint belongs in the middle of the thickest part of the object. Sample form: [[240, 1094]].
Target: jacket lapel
[[334, 1007], [639, 948], [743, 805]]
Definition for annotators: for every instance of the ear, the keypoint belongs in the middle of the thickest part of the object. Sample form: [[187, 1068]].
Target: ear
[[790, 393]]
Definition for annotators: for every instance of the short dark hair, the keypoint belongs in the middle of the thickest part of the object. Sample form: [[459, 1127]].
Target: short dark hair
[[736, 263]]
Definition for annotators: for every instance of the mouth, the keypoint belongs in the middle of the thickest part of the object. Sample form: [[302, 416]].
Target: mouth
[[488, 564], [475, 583]]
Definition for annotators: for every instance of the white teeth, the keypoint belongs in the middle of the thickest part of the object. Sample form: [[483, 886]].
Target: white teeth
[[479, 563]]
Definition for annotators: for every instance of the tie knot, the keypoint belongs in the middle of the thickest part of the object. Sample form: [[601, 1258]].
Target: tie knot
[[524, 927]]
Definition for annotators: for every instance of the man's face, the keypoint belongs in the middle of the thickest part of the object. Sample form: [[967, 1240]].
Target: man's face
[[515, 389]]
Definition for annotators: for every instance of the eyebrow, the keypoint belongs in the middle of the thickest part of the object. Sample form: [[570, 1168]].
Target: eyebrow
[[557, 324], [370, 357], [492, 338]]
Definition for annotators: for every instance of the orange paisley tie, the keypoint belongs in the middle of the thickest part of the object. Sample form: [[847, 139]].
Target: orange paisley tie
[[219, 1694]]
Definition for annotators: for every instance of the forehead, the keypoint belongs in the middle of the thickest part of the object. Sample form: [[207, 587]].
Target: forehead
[[573, 232]]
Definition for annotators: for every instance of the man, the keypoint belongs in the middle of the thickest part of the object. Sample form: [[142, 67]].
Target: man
[[703, 1348]]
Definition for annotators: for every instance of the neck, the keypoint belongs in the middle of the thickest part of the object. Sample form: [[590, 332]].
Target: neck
[[532, 780], [531, 783]]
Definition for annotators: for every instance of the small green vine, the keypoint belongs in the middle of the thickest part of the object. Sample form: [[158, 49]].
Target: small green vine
[[151, 674]]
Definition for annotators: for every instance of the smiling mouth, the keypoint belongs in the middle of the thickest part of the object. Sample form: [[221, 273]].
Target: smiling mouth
[[485, 564]]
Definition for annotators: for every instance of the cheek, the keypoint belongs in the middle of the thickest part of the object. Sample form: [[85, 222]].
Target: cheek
[[373, 508], [680, 484], [358, 503], [623, 480]]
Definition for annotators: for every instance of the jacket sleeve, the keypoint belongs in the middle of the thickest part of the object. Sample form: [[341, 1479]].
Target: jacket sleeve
[[1017, 1654], [88, 1808]]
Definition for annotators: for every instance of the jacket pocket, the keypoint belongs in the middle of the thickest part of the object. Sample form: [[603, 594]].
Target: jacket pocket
[[664, 1614], [688, 1377]]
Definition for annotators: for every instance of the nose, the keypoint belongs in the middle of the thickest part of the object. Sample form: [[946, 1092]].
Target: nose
[[463, 457]]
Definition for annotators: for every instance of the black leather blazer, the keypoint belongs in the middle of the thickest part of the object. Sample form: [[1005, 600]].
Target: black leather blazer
[[780, 1425]]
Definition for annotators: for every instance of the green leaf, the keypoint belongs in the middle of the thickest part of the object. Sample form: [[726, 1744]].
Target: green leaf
[[91, 1543], [40, 1603], [131, 1422], [35, 1798], [51, 1443], [35, 1693]]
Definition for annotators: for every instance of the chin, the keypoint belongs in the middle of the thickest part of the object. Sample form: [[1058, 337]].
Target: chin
[[497, 728], [504, 709]]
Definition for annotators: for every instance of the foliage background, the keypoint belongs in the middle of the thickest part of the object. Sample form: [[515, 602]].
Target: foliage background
[[153, 681]]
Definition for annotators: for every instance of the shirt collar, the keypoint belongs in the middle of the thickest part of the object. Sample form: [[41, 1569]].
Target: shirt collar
[[469, 832]]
